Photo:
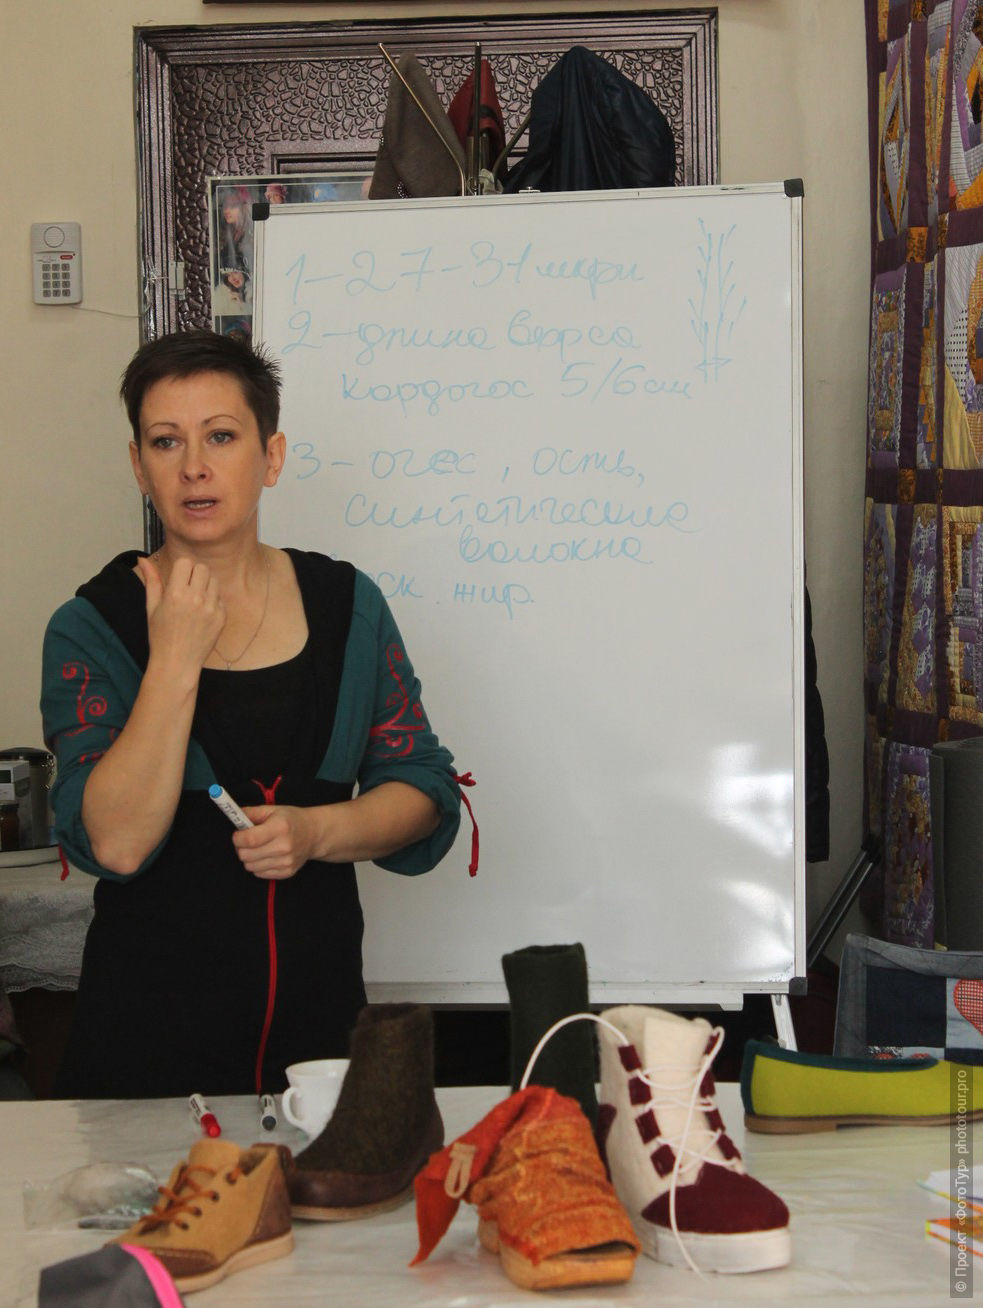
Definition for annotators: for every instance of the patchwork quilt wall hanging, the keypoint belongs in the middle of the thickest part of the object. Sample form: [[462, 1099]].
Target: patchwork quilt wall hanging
[[923, 528]]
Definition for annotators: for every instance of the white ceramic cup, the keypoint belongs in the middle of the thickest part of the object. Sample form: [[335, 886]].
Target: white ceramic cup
[[310, 1098]]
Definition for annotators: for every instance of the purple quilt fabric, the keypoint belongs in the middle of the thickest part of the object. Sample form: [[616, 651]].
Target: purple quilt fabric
[[923, 534]]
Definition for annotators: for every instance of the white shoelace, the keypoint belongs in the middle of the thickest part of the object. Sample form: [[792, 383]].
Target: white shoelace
[[674, 1094]]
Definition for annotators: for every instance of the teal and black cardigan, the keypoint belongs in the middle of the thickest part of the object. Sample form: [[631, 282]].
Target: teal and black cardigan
[[90, 681], [196, 975]]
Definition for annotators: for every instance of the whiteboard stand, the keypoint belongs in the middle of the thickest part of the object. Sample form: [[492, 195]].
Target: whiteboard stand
[[851, 884], [562, 433], [783, 1021]]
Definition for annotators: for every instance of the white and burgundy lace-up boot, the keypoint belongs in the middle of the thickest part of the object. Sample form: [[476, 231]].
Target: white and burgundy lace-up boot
[[673, 1166]]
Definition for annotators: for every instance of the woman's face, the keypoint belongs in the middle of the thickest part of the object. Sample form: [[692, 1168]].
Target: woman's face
[[201, 459]]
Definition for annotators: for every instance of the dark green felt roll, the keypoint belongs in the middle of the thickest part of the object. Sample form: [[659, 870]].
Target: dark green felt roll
[[546, 983]]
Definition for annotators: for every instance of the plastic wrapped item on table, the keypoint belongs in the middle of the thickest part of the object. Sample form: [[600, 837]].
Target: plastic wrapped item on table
[[104, 1196]]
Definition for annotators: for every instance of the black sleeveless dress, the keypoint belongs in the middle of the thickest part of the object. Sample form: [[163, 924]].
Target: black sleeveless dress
[[198, 976]]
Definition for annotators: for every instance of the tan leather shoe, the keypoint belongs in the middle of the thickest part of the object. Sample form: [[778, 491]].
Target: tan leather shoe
[[222, 1210]]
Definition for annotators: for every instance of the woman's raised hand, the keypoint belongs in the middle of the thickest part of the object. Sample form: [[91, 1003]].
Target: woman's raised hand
[[185, 615]]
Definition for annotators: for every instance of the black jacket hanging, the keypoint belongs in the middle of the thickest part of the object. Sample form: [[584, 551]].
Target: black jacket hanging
[[591, 128]]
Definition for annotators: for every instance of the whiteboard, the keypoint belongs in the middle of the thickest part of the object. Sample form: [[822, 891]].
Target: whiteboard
[[563, 433]]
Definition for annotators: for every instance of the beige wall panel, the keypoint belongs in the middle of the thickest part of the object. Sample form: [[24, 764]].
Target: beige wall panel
[[792, 103]]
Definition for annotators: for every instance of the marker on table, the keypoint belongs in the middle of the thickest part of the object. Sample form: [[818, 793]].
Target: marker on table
[[267, 1113], [223, 800], [204, 1116]]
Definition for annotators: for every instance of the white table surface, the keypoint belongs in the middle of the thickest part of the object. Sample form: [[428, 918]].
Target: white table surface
[[858, 1217]]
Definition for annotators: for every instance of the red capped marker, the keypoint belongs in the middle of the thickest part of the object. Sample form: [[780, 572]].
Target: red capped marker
[[204, 1116]]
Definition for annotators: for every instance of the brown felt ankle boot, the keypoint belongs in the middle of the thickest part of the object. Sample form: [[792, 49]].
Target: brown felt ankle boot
[[386, 1124]]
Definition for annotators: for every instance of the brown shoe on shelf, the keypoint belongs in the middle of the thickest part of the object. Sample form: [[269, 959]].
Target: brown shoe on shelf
[[545, 1204], [385, 1126], [222, 1210]]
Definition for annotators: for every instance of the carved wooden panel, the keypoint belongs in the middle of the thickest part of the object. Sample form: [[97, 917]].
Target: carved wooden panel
[[280, 98]]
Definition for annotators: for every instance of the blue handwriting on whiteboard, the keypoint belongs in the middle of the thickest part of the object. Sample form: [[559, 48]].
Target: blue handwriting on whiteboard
[[595, 272], [509, 594], [421, 270], [376, 336], [432, 392], [361, 512], [411, 463], [297, 268], [513, 510], [300, 322], [489, 267], [716, 310], [305, 452], [571, 463], [619, 380], [364, 261], [579, 549], [462, 509], [396, 587], [489, 264], [523, 330]]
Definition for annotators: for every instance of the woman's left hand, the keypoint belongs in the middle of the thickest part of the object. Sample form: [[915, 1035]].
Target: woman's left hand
[[369, 826], [280, 841]]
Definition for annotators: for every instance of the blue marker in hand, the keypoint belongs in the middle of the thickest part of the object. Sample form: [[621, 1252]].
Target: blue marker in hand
[[220, 797]]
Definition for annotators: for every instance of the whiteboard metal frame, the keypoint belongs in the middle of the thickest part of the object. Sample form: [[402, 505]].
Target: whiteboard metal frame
[[725, 995]]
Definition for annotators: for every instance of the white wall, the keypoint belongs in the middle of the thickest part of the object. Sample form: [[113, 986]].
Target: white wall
[[792, 103]]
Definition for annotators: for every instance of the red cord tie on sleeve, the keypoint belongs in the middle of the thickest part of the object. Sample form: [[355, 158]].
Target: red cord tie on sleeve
[[468, 780]]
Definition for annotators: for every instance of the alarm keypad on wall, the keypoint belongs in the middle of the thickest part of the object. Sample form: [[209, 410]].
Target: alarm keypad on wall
[[56, 258]]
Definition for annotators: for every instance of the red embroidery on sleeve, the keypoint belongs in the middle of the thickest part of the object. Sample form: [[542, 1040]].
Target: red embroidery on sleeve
[[86, 706], [96, 754], [396, 734]]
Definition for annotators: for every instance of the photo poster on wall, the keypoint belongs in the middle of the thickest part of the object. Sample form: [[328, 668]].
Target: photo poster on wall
[[231, 259], [563, 434]]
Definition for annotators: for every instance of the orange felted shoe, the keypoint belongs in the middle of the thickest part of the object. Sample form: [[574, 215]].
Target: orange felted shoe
[[545, 1205]]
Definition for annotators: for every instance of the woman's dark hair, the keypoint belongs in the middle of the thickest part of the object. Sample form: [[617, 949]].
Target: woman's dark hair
[[184, 354]]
